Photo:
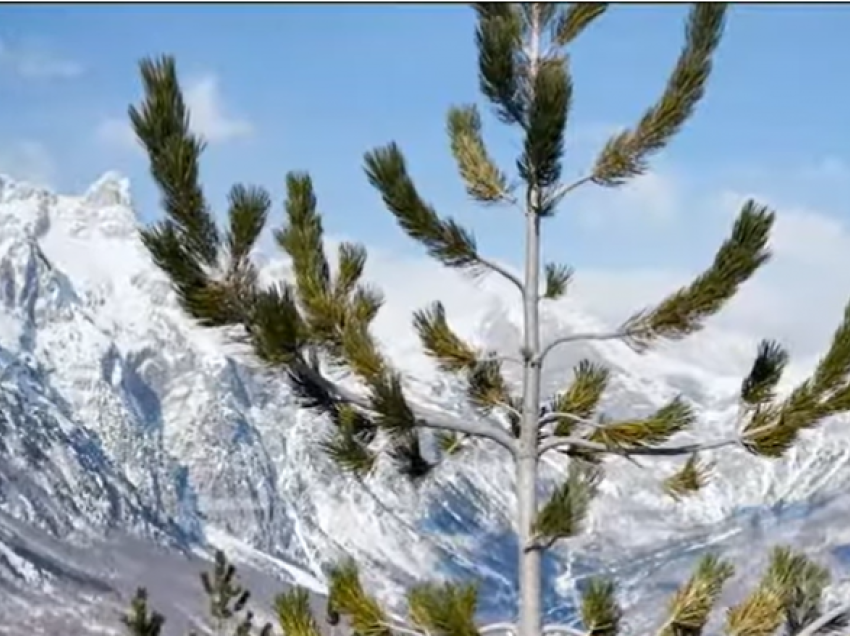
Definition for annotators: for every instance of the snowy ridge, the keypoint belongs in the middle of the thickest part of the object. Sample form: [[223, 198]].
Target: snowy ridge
[[128, 433]]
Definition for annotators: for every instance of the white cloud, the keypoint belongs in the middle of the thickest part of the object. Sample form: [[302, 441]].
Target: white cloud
[[813, 240], [37, 63], [27, 160], [208, 116], [651, 198]]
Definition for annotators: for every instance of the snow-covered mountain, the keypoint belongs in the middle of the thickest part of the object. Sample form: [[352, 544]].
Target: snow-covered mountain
[[133, 442]]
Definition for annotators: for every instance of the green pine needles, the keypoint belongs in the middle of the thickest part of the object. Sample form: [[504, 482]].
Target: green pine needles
[[324, 313], [787, 600]]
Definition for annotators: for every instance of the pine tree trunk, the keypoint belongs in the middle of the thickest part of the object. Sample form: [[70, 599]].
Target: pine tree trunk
[[529, 559]]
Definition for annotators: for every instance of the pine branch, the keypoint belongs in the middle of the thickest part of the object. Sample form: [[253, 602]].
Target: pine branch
[[161, 124], [543, 149], [760, 614], [558, 278], [249, 208], [800, 583], [211, 277], [444, 239], [693, 602], [485, 183], [806, 407], [669, 420], [337, 315], [833, 369], [440, 342], [566, 188], [600, 612], [683, 312], [425, 417], [575, 19], [581, 400], [444, 610], [486, 386], [626, 155], [770, 430], [347, 597], [660, 451], [759, 386], [301, 237], [579, 337], [498, 37], [563, 515], [691, 478], [294, 614], [348, 446], [351, 261]]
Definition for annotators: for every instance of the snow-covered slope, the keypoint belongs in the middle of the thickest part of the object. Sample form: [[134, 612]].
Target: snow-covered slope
[[131, 442]]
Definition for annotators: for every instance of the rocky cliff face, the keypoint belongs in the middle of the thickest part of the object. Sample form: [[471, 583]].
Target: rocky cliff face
[[132, 442]]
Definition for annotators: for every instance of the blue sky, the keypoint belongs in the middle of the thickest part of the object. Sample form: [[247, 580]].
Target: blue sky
[[279, 88]]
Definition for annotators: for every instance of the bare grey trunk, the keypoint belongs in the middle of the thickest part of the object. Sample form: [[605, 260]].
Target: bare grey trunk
[[530, 556], [530, 571]]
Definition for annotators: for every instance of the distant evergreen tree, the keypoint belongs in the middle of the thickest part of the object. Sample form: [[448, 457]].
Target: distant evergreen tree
[[325, 313], [140, 620], [228, 600]]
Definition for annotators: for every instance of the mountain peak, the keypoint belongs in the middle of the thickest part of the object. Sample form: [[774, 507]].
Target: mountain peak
[[111, 189]]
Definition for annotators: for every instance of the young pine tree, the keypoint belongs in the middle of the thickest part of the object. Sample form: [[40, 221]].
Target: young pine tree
[[228, 600], [323, 315], [140, 620]]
